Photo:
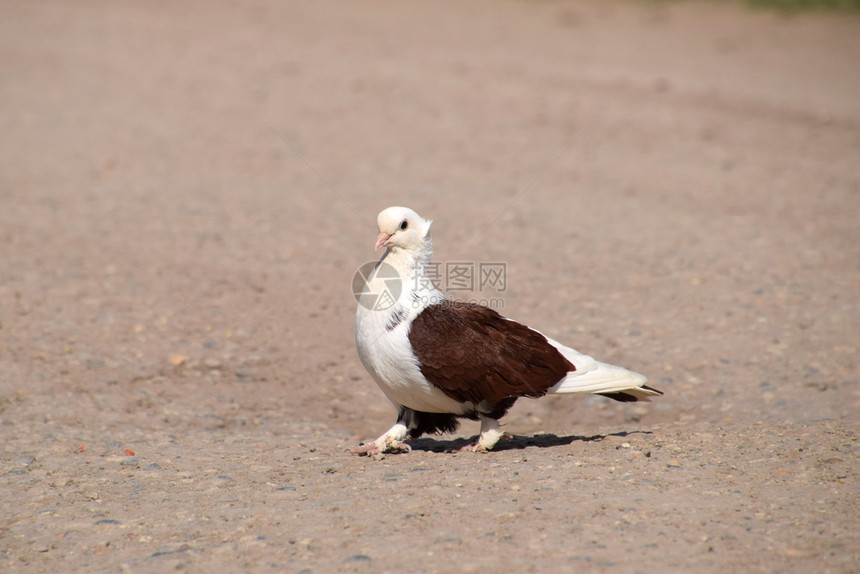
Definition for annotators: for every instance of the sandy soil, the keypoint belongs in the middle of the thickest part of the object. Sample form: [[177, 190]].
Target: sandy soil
[[186, 190]]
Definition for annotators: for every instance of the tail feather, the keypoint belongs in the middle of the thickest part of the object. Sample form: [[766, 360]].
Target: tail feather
[[592, 376]]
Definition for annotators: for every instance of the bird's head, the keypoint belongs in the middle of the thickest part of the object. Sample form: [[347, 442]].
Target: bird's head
[[402, 228]]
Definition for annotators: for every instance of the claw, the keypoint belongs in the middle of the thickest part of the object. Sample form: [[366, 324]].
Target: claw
[[396, 446], [390, 446], [479, 446], [368, 449]]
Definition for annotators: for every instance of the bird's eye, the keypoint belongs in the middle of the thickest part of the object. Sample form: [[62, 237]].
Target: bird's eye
[[403, 225]]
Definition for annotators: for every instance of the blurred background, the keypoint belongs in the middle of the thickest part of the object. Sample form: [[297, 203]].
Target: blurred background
[[187, 188]]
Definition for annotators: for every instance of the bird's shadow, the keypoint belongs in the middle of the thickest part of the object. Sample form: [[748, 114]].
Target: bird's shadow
[[516, 442]]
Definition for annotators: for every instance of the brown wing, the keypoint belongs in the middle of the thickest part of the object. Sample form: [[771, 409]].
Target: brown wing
[[474, 354]]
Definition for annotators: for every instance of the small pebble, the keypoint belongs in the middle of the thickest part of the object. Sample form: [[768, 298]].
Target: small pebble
[[212, 363]]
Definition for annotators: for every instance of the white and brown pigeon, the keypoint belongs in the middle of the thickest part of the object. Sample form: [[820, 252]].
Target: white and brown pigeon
[[440, 360]]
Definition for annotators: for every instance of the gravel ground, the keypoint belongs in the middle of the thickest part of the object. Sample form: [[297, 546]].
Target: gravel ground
[[188, 188]]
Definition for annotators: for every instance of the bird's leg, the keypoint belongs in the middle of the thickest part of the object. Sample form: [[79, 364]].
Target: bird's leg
[[391, 442], [490, 435]]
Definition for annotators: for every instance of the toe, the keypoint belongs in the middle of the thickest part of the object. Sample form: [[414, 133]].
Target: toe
[[395, 447], [368, 449]]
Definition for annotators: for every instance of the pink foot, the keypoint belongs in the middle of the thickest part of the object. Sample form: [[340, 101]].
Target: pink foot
[[391, 446], [397, 447], [368, 449], [478, 447]]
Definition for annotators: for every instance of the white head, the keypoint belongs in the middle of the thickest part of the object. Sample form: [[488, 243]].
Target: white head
[[402, 228]]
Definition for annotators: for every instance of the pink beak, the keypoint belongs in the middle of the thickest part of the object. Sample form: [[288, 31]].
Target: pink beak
[[382, 240]]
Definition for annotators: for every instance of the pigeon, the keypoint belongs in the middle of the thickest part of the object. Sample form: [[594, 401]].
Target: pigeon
[[439, 360]]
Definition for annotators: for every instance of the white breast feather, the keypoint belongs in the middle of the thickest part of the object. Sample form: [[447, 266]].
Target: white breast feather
[[387, 353]]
